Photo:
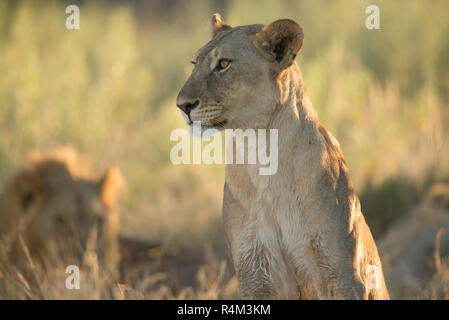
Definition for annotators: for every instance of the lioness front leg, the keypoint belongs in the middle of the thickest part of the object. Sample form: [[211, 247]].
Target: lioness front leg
[[336, 268], [260, 269], [253, 274], [263, 274], [249, 262]]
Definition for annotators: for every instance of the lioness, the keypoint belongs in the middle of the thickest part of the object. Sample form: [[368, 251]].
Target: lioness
[[54, 203], [299, 233], [415, 249]]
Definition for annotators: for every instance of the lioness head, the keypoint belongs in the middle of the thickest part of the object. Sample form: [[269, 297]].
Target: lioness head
[[234, 80], [53, 204]]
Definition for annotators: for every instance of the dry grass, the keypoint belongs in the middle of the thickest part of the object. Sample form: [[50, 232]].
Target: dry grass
[[46, 279]]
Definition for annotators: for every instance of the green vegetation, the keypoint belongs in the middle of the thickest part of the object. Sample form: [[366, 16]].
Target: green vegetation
[[109, 90]]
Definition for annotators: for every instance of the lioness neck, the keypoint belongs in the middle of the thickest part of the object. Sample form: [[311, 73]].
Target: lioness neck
[[297, 126], [294, 116]]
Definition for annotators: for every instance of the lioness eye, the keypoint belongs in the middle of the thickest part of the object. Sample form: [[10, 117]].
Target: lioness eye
[[59, 219], [223, 64]]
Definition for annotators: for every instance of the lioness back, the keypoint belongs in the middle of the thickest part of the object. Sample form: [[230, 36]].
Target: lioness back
[[415, 249]]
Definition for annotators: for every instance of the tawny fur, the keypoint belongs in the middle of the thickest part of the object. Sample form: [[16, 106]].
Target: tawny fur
[[299, 233], [415, 246], [54, 202]]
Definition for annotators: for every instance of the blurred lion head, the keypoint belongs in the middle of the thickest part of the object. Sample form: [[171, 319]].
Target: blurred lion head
[[414, 247], [55, 206]]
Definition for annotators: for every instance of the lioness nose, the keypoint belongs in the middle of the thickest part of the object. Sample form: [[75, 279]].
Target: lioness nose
[[188, 106]]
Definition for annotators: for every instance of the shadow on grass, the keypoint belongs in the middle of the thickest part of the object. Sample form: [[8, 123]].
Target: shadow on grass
[[384, 203]]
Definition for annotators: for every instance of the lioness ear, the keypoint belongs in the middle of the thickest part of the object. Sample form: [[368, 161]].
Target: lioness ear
[[110, 185], [217, 25], [280, 41]]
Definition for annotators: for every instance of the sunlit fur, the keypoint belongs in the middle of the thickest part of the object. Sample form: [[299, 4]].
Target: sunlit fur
[[299, 233]]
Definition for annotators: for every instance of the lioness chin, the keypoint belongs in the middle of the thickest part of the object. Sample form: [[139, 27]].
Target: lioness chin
[[299, 233]]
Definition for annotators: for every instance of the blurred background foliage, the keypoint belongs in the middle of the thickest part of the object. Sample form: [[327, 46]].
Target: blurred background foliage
[[109, 89]]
